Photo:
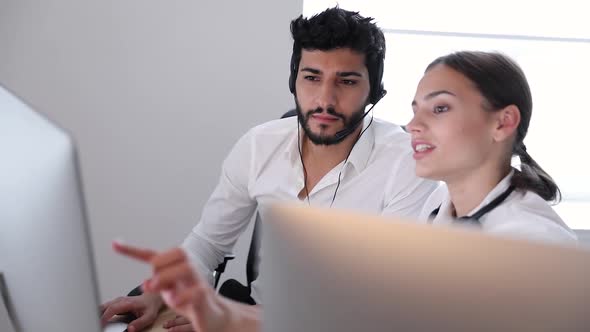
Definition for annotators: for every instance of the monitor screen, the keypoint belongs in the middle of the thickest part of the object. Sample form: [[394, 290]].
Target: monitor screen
[[45, 253], [328, 270]]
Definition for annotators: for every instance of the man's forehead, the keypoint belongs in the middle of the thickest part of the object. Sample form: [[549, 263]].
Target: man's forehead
[[340, 59]]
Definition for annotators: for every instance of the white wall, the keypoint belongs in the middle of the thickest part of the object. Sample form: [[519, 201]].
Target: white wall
[[155, 92]]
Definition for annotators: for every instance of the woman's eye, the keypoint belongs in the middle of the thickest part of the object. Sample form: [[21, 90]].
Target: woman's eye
[[311, 78], [440, 109]]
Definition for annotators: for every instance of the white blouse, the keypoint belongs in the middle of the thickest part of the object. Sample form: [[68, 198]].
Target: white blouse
[[520, 215]]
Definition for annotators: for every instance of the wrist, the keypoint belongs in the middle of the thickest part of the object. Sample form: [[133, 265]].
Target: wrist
[[155, 299], [243, 317]]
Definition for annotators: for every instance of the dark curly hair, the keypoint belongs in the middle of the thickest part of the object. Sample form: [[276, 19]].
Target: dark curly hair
[[338, 28]]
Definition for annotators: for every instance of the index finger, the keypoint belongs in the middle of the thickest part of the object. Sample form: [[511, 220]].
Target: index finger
[[141, 254]]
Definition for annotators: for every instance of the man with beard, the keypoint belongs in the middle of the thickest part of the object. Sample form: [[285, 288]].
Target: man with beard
[[330, 155]]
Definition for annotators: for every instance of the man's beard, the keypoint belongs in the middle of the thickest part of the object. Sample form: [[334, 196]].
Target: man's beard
[[350, 124]]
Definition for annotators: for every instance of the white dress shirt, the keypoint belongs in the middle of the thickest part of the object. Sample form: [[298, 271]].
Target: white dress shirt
[[265, 167], [520, 215]]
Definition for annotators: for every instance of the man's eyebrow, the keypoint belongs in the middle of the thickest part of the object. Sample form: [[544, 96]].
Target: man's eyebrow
[[349, 73], [311, 70], [434, 94], [339, 74]]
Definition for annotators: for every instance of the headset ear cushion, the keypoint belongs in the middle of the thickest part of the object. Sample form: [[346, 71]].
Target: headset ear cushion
[[377, 89], [292, 79], [293, 73], [377, 94]]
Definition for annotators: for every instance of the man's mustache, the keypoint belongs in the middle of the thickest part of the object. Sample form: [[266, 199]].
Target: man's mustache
[[330, 111]]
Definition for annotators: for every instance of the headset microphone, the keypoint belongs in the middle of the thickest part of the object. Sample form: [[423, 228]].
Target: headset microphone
[[347, 131]]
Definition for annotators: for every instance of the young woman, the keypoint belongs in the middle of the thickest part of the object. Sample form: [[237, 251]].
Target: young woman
[[471, 114]]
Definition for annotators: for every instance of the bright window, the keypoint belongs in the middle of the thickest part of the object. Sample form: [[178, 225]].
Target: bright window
[[552, 45]]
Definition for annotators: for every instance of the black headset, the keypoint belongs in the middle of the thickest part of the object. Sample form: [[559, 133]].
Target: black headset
[[376, 85]]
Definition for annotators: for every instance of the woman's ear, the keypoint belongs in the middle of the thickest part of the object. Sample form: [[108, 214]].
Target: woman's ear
[[506, 124]]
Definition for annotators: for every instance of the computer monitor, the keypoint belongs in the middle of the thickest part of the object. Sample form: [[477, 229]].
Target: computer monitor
[[45, 253], [329, 270]]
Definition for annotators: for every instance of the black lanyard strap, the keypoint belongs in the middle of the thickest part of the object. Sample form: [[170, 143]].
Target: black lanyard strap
[[481, 212]]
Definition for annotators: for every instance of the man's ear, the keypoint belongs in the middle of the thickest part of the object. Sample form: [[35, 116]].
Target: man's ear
[[506, 123]]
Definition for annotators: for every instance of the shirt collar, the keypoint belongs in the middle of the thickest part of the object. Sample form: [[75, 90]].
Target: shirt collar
[[361, 151], [500, 188], [445, 211]]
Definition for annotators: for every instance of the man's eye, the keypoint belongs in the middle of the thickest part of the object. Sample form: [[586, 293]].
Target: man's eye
[[348, 82], [311, 78], [440, 109]]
